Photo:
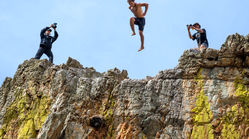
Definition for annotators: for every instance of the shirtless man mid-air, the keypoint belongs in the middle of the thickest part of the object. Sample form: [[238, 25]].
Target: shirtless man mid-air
[[136, 9]]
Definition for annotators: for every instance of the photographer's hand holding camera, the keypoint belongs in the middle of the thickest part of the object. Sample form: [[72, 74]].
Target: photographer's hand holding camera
[[200, 36], [46, 42]]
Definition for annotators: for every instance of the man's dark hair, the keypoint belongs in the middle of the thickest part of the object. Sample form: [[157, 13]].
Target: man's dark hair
[[197, 24], [131, 0]]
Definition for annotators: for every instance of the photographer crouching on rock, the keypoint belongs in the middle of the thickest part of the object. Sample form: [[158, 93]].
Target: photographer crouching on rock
[[200, 36], [46, 42]]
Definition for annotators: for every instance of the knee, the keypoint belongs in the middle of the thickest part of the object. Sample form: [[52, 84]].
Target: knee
[[132, 19], [140, 32], [203, 47]]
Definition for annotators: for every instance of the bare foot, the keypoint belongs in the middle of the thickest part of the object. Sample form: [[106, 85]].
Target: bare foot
[[140, 49], [133, 34]]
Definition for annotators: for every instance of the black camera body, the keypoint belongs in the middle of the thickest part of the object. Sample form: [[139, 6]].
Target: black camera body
[[190, 25], [54, 25]]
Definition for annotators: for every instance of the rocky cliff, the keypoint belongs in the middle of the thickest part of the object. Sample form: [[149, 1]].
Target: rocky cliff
[[205, 96]]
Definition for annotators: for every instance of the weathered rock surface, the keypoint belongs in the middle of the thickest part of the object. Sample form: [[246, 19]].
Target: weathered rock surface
[[205, 96]]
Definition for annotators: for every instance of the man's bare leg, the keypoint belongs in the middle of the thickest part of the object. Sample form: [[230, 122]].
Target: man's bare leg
[[142, 40], [132, 20]]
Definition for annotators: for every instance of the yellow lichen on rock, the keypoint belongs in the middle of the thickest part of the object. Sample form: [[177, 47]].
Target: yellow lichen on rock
[[27, 130], [202, 112], [229, 129], [202, 115], [202, 119], [238, 115], [108, 116], [25, 116], [242, 92]]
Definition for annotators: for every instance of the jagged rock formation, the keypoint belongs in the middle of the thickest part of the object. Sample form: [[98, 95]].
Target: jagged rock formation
[[205, 96]]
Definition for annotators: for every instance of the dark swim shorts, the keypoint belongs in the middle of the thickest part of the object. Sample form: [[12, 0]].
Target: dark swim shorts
[[140, 22]]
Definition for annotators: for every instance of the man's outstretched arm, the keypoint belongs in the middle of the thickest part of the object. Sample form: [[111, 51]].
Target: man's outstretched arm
[[55, 35], [189, 33], [146, 5]]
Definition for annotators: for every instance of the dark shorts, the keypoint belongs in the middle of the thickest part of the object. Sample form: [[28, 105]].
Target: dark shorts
[[140, 22]]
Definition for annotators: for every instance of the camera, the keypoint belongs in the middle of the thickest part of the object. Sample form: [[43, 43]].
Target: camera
[[189, 25], [54, 25]]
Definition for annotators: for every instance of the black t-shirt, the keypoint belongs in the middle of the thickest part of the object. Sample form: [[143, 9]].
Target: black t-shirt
[[200, 37]]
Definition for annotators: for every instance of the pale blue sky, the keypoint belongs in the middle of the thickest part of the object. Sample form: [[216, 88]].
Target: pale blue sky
[[97, 32]]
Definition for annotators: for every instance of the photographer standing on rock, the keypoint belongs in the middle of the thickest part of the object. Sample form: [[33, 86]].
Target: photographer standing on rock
[[200, 36], [46, 42]]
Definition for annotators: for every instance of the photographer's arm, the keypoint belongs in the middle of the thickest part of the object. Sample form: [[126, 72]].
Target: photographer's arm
[[55, 35], [189, 33]]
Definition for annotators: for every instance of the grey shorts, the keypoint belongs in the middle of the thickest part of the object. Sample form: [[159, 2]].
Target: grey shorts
[[204, 44]]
